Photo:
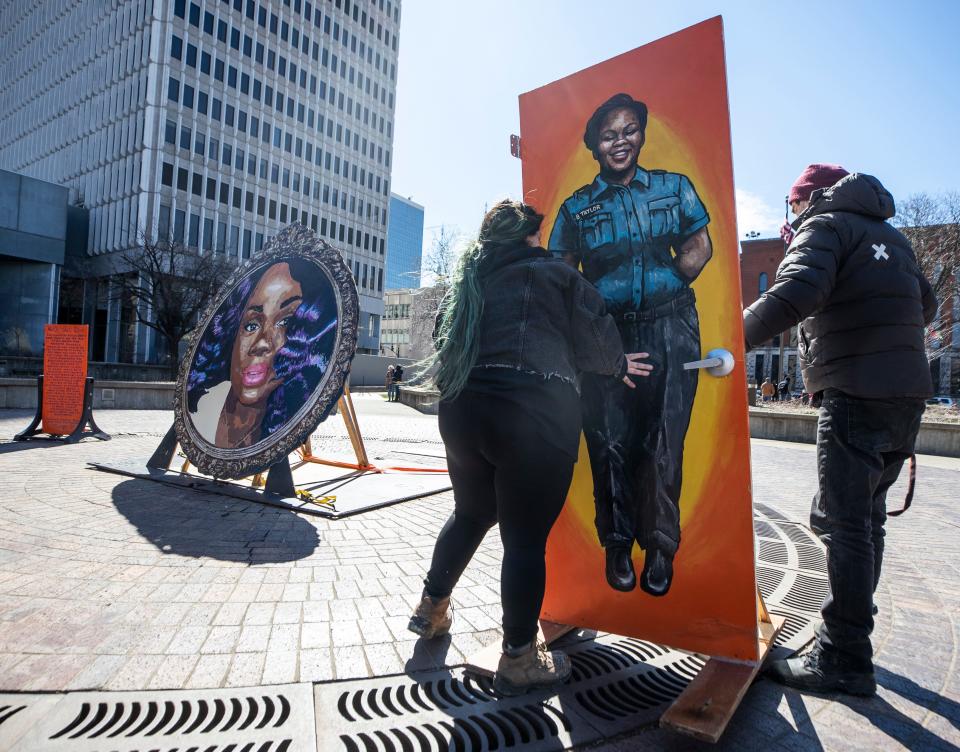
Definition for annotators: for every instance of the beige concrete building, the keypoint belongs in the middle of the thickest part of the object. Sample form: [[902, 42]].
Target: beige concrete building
[[408, 321]]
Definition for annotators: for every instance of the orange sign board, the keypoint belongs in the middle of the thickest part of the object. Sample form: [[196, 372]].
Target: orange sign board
[[64, 376], [679, 200]]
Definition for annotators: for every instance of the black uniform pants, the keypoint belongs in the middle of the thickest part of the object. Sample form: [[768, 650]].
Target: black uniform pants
[[635, 436], [861, 447], [502, 471]]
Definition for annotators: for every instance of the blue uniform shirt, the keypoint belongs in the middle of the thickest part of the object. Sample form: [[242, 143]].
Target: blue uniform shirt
[[623, 236]]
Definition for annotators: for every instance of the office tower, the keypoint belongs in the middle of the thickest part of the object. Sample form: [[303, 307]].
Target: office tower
[[211, 123], [404, 243]]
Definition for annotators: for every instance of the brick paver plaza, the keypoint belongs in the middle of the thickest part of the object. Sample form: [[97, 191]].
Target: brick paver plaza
[[108, 582]]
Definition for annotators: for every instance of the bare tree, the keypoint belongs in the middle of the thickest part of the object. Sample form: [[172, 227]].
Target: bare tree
[[16, 341], [441, 259], [438, 266], [932, 224], [168, 285], [423, 319]]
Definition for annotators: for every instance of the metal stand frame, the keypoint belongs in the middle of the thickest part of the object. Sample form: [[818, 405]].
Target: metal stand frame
[[34, 430], [276, 486], [279, 478]]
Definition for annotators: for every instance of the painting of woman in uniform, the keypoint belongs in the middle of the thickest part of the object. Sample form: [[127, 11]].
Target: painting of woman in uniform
[[641, 237], [631, 164], [263, 354]]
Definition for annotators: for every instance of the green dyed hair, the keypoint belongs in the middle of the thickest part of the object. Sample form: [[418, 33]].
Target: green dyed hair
[[507, 224]]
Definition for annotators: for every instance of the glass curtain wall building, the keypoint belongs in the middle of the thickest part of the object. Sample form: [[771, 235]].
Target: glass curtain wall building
[[404, 243], [212, 123]]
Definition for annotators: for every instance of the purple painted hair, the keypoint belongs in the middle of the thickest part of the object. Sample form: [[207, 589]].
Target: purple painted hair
[[299, 364]]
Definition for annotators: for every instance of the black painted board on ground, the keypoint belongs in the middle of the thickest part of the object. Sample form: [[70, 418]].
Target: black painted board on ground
[[331, 493]]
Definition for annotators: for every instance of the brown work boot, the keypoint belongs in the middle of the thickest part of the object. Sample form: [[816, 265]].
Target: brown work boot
[[432, 617], [533, 668]]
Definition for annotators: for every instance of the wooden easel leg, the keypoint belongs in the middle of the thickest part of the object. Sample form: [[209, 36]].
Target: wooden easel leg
[[306, 450], [353, 428], [349, 414], [765, 626], [706, 706], [763, 616]]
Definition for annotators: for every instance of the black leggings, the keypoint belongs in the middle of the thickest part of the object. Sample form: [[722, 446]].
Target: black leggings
[[502, 471]]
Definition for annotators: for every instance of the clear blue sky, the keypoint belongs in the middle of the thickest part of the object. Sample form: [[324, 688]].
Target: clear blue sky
[[874, 86]]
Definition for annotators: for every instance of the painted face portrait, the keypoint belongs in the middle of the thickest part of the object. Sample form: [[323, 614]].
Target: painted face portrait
[[263, 331], [265, 350], [270, 357], [621, 137]]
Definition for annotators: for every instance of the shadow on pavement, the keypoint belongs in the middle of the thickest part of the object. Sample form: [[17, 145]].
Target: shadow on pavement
[[12, 447], [187, 523], [909, 690], [762, 711], [772, 716], [428, 655]]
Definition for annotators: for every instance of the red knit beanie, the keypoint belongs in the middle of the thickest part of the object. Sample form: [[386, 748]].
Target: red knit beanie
[[814, 177]]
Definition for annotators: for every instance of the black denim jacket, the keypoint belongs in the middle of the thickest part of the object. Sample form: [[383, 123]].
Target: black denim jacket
[[541, 316]]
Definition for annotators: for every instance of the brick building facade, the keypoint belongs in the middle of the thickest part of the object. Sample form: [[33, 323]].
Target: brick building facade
[[759, 260]]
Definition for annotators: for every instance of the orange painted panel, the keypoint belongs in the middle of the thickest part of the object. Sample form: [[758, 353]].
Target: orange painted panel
[[64, 376], [711, 604]]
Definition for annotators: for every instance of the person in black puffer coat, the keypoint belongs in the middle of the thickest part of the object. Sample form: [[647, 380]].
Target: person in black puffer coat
[[853, 281]]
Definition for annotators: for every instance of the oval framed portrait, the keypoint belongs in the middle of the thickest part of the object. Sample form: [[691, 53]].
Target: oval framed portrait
[[269, 357]]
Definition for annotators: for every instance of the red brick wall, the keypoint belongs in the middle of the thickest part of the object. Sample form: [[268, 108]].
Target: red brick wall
[[756, 256]]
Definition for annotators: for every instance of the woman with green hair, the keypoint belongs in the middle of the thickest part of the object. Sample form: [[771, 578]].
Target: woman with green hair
[[514, 331]]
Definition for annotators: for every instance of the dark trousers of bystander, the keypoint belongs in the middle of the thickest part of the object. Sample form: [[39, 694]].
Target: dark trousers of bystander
[[502, 471], [861, 447]]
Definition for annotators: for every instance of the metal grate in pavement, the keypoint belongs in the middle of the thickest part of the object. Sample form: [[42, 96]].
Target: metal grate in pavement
[[8, 711], [266, 719], [617, 684], [791, 574], [767, 513], [772, 552]]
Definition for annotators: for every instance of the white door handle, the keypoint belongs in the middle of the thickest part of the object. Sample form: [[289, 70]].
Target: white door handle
[[717, 363]]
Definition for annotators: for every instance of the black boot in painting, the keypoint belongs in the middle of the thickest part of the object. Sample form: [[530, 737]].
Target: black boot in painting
[[657, 572], [620, 573]]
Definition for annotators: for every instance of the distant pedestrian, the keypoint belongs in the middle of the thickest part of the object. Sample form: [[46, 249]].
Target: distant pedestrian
[[783, 388], [397, 378], [389, 382], [767, 390], [853, 281]]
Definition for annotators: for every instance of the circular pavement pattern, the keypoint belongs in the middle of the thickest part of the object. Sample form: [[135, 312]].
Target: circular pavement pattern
[[113, 583], [118, 583]]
